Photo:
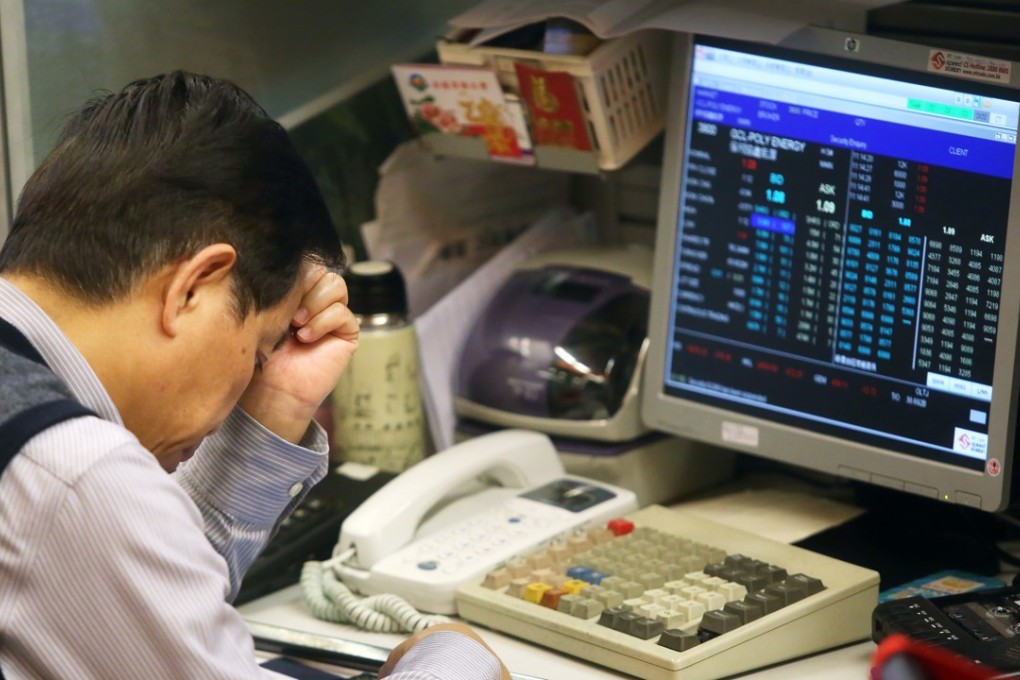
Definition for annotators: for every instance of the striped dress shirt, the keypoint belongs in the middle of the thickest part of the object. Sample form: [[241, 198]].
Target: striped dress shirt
[[111, 568]]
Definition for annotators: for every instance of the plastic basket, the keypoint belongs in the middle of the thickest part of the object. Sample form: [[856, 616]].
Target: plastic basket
[[621, 86]]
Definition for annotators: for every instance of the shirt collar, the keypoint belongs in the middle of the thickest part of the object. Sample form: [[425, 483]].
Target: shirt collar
[[60, 354]]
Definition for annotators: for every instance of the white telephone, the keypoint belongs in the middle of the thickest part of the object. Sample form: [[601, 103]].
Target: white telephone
[[455, 516]]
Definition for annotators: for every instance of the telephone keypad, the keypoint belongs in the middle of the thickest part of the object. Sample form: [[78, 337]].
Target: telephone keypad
[[460, 547]]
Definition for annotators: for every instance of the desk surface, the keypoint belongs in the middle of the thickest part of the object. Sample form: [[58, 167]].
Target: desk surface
[[780, 514], [285, 609]]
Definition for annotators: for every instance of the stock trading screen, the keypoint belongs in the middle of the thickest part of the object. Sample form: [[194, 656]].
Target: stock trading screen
[[841, 266]]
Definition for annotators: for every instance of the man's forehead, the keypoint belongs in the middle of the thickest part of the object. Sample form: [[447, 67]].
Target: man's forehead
[[308, 275]]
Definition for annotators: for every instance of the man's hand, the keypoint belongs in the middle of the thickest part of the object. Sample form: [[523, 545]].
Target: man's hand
[[297, 377]]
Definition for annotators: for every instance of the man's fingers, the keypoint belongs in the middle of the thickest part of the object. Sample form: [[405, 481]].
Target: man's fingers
[[336, 319], [324, 289]]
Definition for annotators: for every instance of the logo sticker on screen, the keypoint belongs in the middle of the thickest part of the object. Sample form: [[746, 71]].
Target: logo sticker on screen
[[969, 66], [970, 443]]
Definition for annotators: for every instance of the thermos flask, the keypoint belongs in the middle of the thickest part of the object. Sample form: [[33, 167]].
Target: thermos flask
[[377, 408]]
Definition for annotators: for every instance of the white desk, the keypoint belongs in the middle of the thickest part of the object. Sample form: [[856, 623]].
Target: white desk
[[782, 514], [284, 608]]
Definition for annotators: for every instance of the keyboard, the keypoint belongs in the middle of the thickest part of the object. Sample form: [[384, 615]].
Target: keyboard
[[666, 595]]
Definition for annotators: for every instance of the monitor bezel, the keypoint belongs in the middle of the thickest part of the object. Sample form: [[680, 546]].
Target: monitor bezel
[[798, 446]]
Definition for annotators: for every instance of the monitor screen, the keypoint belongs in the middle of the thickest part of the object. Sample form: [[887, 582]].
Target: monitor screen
[[837, 268]]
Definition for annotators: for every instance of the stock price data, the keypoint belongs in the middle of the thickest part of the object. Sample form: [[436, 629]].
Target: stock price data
[[837, 260]]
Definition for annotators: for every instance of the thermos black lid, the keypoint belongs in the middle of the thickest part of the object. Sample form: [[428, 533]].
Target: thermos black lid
[[376, 287]]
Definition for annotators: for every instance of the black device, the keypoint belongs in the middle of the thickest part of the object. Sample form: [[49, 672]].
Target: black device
[[309, 533], [983, 625], [296, 669]]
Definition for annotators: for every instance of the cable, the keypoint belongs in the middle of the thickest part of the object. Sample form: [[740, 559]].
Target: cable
[[330, 600]]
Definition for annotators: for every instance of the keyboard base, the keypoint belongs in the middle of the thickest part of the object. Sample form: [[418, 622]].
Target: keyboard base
[[839, 615]]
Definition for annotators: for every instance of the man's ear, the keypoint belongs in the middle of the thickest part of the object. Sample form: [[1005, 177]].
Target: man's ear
[[196, 280]]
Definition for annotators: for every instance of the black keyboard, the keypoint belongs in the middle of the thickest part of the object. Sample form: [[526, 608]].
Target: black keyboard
[[308, 534]]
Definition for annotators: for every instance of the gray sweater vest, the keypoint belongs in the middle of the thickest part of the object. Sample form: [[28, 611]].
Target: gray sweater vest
[[32, 397]]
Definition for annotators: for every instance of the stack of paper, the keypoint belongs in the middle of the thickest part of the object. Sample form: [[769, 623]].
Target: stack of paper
[[769, 21]]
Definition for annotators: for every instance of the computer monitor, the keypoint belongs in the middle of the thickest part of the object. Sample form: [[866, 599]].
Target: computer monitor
[[836, 282]]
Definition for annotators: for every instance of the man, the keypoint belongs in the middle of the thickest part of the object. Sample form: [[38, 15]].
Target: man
[[173, 268]]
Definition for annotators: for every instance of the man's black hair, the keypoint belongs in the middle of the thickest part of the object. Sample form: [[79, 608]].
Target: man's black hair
[[150, 175]]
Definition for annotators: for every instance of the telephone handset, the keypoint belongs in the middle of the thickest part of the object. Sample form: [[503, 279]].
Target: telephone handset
[[450, 519], [388, 520]]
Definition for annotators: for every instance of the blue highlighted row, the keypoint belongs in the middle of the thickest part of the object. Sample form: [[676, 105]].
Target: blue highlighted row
[[769, 223]]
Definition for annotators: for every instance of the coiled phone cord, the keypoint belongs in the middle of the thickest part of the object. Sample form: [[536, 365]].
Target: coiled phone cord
[[330, 600]]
